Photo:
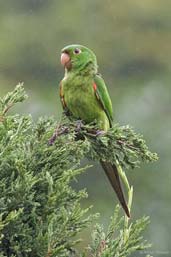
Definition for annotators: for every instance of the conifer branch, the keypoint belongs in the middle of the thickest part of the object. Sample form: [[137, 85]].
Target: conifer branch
[[40, 213]]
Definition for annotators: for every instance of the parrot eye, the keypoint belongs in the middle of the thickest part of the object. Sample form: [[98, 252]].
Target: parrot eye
[[77, 51]]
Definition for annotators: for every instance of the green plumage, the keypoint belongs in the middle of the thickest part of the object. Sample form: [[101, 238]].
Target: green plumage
[[84, 91], [104, 98], [82, 101], [84, 95]]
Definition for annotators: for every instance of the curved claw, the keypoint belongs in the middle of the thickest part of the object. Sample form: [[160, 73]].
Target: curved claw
[[100, 133], [79, 125]]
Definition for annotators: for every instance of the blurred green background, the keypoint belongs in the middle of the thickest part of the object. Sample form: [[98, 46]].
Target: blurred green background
[[132, 41]]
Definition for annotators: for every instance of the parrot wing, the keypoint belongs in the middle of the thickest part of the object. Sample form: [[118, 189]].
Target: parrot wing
[[103, 97], [62, 95], [65, 108], [111, 170]]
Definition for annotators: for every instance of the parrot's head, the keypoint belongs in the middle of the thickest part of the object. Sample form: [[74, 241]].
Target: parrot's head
[[78, 58]]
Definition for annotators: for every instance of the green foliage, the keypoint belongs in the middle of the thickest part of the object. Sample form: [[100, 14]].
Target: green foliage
[[118, 240], [40, 213], [120, 144], [134, 54]]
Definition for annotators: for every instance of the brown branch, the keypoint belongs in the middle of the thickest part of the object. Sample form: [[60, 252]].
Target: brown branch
[[7, 108], [1, 118], [128, 145], [48, 254]]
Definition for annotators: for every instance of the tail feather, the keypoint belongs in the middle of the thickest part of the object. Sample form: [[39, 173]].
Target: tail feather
[[113, 176]]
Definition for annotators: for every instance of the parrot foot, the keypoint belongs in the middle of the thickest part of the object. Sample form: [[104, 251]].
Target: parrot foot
[[79, 128], [100, 133], [58, 132], [79, 125], [95, 133]]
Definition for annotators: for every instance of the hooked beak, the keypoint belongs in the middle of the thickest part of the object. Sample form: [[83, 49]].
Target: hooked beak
[[65, 60]]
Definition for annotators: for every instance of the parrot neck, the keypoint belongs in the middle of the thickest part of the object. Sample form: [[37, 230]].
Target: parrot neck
[[88, 69]]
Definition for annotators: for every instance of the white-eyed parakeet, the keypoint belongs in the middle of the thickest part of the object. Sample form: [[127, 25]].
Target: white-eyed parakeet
[[84, 95]]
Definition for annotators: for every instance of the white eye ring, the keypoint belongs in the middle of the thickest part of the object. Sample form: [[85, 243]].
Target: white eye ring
[[77, 51]]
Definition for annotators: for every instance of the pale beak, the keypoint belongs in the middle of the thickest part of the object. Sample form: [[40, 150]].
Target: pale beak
[[65, 59]]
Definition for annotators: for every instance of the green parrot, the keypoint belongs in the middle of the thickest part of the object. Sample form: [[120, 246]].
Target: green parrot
[[84, 95]]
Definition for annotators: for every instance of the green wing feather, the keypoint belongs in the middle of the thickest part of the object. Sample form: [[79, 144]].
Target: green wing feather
[[111, 170], [103, 97]]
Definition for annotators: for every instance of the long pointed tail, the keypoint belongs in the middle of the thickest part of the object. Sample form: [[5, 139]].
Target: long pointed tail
[[113, 176]]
